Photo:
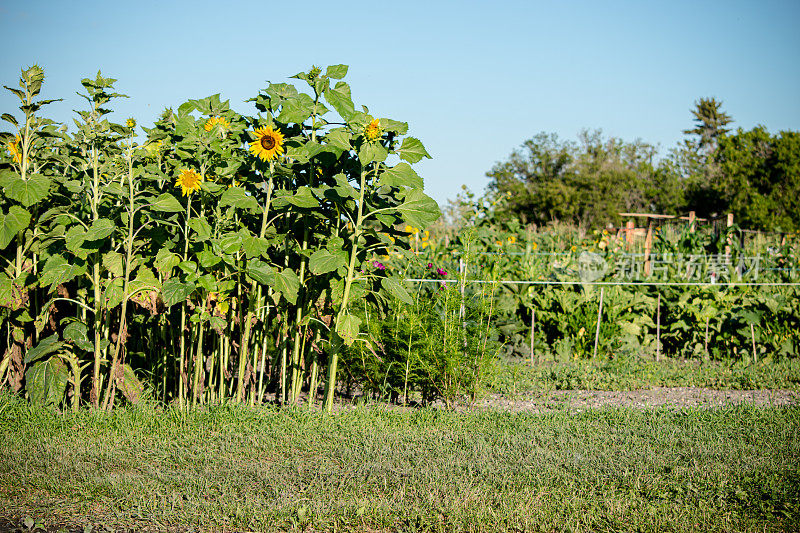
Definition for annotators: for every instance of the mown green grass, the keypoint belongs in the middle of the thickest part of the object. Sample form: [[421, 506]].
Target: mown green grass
[[373, 468], [630, 373]]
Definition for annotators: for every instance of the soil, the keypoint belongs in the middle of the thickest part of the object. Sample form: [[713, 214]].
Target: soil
[[666, 397]]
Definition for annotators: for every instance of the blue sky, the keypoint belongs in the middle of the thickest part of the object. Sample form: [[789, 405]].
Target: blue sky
[[473, 79]]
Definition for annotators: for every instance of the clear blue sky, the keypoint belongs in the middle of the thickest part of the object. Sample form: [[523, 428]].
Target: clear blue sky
[[473, 79]]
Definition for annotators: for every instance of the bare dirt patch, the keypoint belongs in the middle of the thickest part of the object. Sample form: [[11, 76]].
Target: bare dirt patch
[[663, 397]]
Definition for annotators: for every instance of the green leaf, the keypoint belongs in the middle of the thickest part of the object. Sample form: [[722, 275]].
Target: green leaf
[[401, 175], [99, 230], [28, 191], [323, 261], [387, 124], [208, 258], [340, 99], [201, 228], [253, 246], [44, 348], [419, 209], [46, 382], [166, 203], [238, 197], [336, 72], [174, 291], [296, 109], [396, 289], [339, 138], [372, 152], [11, 224], [11, 294], [261, 272], [412, 150], [9, 118], [166, 260], [57, 271], [78, 334], [288, 284], [347, 328], [113, 292], [303, 198], [74, 240]]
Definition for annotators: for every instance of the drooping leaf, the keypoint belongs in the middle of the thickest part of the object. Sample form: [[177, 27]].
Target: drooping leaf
[[340, 99], [113, 262], [288, 284], [166, 203], [78, 334], [238, 198], [303, 198], [396, 289], [129, 385], [45, 347], [338, 138], [166, 260], [401, 175], [16, 220], [419, 209], [372, 152], [261, 272], [202, 229], [347, 327], [11, 295], [99, 230], [412, 150], [58, 270], [46, 382]]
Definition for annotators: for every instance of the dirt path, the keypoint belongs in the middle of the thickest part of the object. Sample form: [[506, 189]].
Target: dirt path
[[674, 397]]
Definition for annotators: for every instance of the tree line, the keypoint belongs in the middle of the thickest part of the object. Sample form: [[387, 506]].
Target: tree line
[[753, 174]]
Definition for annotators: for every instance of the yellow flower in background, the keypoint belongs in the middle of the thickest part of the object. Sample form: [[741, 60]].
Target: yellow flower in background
[[268, 145], [511, 239], [408, 228], [15, 149], [605, 232], [373, 130], [131, 123], [189, 181], [534, 246], [581, 332], [423, 244], [498, 243], [214, 121], [574, 248]]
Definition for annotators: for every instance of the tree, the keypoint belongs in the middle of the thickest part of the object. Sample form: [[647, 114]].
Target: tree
[[710, 122]]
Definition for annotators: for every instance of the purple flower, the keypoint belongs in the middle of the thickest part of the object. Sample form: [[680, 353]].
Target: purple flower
[[441, 272], [379, 265], [430, 265]]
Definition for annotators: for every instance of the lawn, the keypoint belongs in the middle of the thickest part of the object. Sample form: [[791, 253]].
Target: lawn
[[367, 468]]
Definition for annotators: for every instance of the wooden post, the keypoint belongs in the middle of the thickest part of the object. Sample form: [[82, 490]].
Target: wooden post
[[630, 227], [658, 329], [648, 244], [753, 336], [692, 216], [597, 331]]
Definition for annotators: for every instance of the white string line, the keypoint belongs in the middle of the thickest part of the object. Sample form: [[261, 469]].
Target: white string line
[[643, 283]]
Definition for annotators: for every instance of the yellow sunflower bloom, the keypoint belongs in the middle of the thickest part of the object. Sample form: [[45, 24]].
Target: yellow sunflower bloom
[[534, 246], [373, 130], [498, 243], [268, 145], [131, 123], [189, 181], [15, 149], [223, 124], [511, 239]]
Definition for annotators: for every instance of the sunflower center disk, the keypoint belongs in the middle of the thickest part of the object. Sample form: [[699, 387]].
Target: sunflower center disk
[[267, 142]]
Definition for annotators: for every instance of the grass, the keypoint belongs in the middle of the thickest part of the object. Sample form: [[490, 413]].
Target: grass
[[515, 377], [374, 468]]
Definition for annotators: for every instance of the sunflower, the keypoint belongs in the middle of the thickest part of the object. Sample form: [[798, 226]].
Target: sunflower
[[15, 149], [224, 125], [511, 239], [131, 123], [268, 145], [189, 181], [373, 131]]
